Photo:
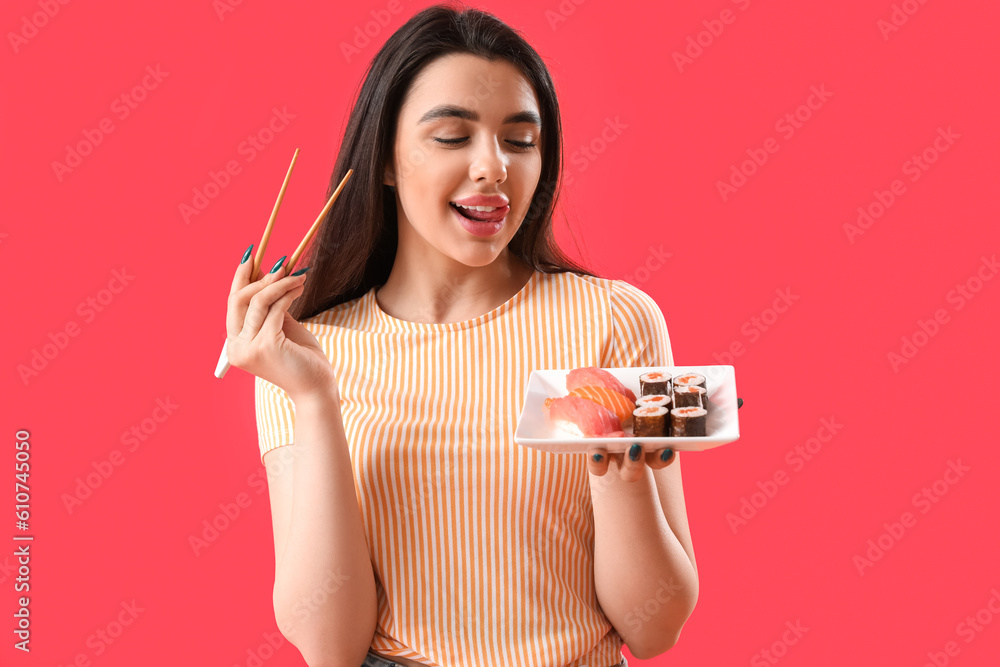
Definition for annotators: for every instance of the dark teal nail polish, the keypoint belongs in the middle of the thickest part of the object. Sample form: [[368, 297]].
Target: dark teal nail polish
[[300, 271], [246, 255], [278, 265], [598, 458], [635, 451], [667, 453]]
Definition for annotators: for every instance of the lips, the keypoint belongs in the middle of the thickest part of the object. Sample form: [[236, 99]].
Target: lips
[[496, 215]]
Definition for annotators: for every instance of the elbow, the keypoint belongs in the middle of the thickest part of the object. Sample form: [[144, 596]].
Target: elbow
[[653, 645], [322, 654], [658, 646], [318, 646]]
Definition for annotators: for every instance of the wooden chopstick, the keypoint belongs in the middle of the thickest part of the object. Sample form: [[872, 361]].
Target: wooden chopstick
[[262, 246], [315, 225]]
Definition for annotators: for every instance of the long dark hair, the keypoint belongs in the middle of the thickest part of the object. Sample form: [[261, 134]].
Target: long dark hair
[[355, 246]]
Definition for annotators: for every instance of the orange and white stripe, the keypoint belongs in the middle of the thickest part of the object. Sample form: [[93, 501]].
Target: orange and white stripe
[[483, 550]]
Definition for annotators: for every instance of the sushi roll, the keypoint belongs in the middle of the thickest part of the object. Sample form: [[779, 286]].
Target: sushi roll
[[687, 422], [654, 382], [650, 421], [686, 379], [656, 400], [689, 395]]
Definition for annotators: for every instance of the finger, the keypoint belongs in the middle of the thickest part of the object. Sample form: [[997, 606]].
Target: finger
[[275, 319], [633, 463], [239, 301], [597, 461], [656, 460], [262, 302], [242, 277]]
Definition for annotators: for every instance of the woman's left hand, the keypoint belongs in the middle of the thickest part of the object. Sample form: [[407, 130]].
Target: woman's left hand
[[629, 464]]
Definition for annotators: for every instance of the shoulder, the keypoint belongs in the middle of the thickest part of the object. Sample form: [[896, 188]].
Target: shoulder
[[622, 299], [343, 315]]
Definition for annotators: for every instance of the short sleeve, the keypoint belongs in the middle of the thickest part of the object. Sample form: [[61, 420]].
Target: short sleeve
[[639, 331], [275, 416]]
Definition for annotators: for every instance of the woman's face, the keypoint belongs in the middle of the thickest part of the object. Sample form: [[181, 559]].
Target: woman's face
[[468, 127]]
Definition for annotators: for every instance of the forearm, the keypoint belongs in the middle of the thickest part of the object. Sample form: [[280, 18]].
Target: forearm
[[324, 592], [645, 581]]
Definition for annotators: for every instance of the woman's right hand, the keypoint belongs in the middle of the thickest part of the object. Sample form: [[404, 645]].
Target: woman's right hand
[[264, 339]]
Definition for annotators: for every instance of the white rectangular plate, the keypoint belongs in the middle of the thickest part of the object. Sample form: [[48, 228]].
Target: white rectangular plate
[[535, 429]]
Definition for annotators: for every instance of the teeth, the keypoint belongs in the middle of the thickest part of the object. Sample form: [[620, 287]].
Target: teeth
[[479, 208]]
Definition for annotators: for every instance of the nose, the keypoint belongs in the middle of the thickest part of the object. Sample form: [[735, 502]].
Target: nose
[[488, 163]]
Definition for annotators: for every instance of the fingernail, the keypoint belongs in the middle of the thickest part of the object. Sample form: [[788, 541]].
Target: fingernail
[[300, 271], [739, 403], [667, 453], [278, 265], [246, 255], [635, 451], [597, 458]]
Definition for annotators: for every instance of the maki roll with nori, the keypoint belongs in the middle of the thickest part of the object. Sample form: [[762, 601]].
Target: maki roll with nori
[[690, 396], [656, 400], [687, 422], [686, 379], [650, 421], [654, 382]]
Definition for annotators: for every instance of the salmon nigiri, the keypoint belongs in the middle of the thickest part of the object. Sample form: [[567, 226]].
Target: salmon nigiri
[[583, 418], [593, 376], [612, 400]]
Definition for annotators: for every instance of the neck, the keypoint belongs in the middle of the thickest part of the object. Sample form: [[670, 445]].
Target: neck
[[450, 291]]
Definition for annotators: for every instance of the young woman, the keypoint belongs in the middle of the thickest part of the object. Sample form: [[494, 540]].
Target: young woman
[[409, 528]]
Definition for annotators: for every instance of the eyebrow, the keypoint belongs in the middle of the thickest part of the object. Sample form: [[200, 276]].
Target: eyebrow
[[451, 111]]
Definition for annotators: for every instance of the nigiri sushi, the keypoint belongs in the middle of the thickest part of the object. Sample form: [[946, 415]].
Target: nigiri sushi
[[612, 400], [583, 418], [593, 376]]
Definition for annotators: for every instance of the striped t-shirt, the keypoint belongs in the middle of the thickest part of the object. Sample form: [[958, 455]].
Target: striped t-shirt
[[483, 550]]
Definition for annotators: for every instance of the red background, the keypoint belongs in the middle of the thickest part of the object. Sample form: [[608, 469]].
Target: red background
[[654, 185]]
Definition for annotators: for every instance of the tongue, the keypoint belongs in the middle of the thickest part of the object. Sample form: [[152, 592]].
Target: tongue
[[478, 216]]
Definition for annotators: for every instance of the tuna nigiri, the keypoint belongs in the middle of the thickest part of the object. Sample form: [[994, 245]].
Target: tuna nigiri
[[593, 376], [612, 400], [583, 418]]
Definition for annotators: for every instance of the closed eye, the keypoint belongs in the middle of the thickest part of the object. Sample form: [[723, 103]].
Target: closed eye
[[454, 142]]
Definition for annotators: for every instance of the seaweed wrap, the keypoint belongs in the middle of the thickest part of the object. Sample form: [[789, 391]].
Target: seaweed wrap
[[687, 422], [654, 382], [650, 421], [690, 395]]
